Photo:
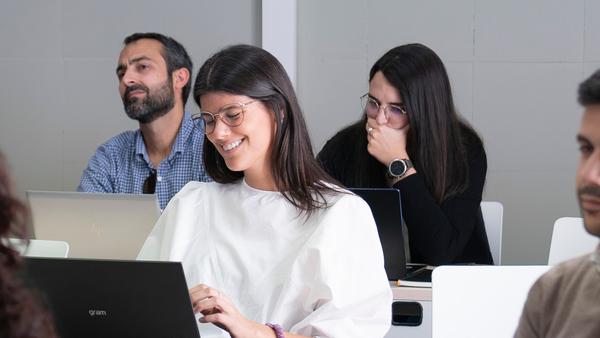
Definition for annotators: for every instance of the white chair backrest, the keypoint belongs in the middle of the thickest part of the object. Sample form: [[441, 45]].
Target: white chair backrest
[[41, 248], [492, 218], [480, 301], [569, 240]]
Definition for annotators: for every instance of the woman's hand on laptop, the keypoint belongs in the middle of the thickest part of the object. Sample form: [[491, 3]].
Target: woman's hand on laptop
[[218, 309]]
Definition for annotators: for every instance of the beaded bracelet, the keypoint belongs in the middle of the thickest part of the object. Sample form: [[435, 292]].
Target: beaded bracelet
[[277, 328]]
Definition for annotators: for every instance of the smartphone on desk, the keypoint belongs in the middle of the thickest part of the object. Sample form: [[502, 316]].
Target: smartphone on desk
[[418, 276], [414, 267]]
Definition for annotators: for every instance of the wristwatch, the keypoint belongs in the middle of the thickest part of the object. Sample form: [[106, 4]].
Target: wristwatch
[[398, 168]]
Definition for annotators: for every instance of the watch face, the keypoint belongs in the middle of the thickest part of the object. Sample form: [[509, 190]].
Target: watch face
[[397, 168]]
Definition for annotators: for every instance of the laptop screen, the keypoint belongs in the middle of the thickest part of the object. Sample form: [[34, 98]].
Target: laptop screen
[[95, 225], [387, 212], [104, 298]]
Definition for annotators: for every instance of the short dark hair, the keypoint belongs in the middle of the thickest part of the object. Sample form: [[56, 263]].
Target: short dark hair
[[175, 55], [589, 90], [253, 72]]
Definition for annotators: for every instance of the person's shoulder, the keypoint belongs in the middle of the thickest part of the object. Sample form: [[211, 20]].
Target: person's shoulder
[[472, 141], [193, 188], [348, 221], [117, 149], [212, 188], [194, 193], [573, 265], [347, 133], [342, 145], [123, 140], [474, 148], [346, 202], [194, 125], [559, 276]]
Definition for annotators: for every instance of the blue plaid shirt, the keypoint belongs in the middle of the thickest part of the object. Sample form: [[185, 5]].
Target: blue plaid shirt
[[121, 165]]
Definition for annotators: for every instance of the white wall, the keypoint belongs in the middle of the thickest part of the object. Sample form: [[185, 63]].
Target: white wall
[[514, 66], [58, 88]]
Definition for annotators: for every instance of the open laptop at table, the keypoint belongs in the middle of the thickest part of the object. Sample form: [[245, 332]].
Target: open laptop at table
[[110, 298], [95, 225], [387, 212]]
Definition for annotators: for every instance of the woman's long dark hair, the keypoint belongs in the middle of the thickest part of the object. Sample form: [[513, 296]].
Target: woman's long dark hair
[[20, 315], [254, 72], [437, 138]]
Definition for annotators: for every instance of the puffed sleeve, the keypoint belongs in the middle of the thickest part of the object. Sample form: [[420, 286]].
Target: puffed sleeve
[[347, 287], [170, 237]]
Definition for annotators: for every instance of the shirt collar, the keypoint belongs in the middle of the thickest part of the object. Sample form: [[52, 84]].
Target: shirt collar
[[140, 147], [187, 126]]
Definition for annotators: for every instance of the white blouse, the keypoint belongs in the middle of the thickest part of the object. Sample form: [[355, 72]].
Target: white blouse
[[322, 276]]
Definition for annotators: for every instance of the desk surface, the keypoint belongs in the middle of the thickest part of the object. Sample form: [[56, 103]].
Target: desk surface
[[410, 293]]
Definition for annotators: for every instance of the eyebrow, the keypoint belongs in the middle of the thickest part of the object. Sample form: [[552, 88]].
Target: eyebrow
[[399, 104], [122, 66], [582, 139]]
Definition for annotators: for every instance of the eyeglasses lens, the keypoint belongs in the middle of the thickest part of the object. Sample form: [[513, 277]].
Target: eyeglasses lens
[[231, 116], [370, 106]]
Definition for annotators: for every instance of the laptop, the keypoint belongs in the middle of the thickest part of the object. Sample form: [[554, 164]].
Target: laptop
[[39, 247], [387, 212], [110, 298], [95, 225]]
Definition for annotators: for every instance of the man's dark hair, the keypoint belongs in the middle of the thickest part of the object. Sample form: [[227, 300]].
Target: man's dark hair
[[589, 90], [176, 57]]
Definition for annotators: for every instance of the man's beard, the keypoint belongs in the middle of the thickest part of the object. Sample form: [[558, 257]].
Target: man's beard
[[154, 105], [591, 223]]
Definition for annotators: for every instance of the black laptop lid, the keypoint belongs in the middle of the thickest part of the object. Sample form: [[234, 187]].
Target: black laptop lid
[[387, 212], [104, 298]]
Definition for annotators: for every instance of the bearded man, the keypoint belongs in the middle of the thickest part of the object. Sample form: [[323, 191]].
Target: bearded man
[[564, 302], [166, 151]]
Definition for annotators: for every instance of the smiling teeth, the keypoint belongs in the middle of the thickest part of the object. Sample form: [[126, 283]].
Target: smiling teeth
[[233, 145]]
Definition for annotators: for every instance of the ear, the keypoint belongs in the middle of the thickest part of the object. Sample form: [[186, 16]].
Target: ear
[[281, 116], [278, 117], [180, 78]]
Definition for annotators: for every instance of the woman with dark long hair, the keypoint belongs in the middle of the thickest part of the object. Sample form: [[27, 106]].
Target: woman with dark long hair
[[20, 314], [272, 248], [411, 138]]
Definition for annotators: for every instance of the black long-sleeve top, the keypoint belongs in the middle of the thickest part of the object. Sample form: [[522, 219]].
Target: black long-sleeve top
[[447, 233]]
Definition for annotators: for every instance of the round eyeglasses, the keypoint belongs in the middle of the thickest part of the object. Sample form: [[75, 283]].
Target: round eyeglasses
[[371, 107], [231, 114]]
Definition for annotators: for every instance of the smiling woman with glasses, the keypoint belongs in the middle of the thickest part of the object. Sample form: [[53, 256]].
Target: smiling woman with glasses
[[261, 245], [410, 137]]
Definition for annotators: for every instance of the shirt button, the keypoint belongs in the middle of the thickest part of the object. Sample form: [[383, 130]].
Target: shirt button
[[159, 178]]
